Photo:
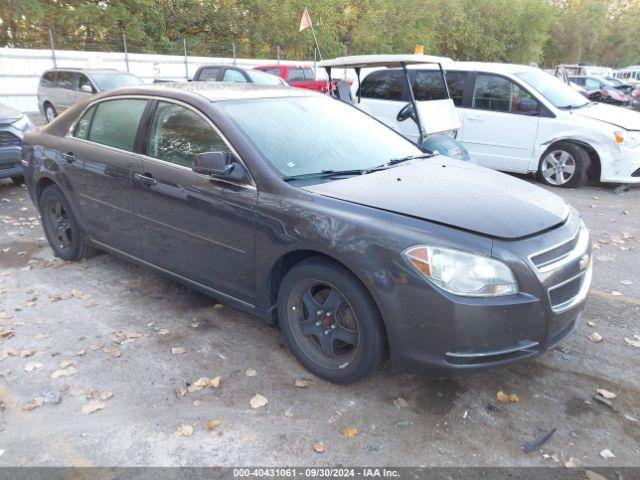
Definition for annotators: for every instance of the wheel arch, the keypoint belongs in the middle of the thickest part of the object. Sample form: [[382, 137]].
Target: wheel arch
[[595, 168], [41, 184], [290, 259]]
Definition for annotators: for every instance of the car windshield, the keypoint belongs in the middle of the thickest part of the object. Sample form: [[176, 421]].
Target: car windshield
[[264, 78], [107, 81], [553, 89], [311, 135]]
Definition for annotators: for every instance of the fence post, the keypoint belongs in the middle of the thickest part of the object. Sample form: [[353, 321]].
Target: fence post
[[186, 61], [52, 40], [278, 53], [126, 53], [233, 47]]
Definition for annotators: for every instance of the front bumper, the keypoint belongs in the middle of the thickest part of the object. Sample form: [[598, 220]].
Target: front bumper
[[444, 335], [622, 166], [10, 161]]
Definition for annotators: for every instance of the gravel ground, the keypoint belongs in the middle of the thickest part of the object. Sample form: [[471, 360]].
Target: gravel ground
[[101, 334]]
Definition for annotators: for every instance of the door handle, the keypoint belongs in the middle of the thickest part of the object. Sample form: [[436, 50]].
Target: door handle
[[476, 118], [69, 157], [147, 180]]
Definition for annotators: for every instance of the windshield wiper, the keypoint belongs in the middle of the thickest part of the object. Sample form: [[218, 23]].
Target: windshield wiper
[[575, 107], [395, 161], [328, 173]]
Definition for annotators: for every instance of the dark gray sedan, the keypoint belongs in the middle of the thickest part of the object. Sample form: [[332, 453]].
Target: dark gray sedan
[[318, 218]]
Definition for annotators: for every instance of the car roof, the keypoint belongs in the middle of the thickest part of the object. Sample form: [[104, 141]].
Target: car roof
[[492, 67], [390, 61], [87, 70], [214, 91]]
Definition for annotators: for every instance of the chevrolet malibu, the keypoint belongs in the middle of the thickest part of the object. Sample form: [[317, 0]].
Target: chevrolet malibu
[[317, 218]]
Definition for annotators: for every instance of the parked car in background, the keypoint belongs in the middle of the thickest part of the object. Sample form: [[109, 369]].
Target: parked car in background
[[584, 69], [520, 119], [61, 88], [607, 92], [229, 73], [13, 125], [416, 105], [318, 218], [297, 76], [630, 90]]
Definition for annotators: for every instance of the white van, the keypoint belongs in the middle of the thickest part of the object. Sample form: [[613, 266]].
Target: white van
[[520, 119]]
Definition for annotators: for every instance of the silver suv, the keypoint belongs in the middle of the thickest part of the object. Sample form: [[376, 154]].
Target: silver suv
[[62, 87]]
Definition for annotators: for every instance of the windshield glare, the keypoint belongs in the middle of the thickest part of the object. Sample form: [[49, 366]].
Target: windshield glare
[[106, 81], [553, 89], [306, 135], [264, 78]]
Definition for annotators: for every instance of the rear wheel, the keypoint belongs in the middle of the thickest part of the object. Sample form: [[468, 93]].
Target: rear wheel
[[564, 164], [49, 112], [330, 322], [60, 226]]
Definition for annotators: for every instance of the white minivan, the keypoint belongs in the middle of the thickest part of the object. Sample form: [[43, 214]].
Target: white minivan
[[520, 119]]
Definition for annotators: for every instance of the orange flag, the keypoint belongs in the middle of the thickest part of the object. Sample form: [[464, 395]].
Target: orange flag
[[305, 21]]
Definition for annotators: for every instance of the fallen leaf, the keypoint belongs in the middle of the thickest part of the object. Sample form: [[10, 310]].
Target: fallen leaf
[[250, 372], [104, 396], [249, 437], [606, 393], [92, 406], [606, 454], [196, 402], [595, 337], [163, 331], [633, 343], [184, 430], [31, 366], [513, 398], [63, 372], [302, 382], [54, 298], [28, 353], [502, 397], [258, 401], [112, 350], [349, 432], [42, 336], [400, 402], [178, 350], [592, 324], [67, 363], [134, 335], [135, 282], [81, 352], [119, 336], [218, 306], [33, 404], [288, 413], [318, 447], [7, 333], [211, 424], [214, 382], [572, 463], [593, 475], [90, 304], [626, 282], [76, 293], [180, 392], [616, 293]]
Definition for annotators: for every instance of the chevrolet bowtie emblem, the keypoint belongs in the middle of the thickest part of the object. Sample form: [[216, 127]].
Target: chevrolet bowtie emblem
[[584, 261]]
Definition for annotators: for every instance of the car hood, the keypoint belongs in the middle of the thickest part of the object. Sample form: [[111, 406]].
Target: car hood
[[618, 116], [454, 193], [8, 114]]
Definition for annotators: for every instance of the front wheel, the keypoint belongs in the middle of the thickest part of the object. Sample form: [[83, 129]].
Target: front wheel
[[564, 164], [330, 322], [60, 226]]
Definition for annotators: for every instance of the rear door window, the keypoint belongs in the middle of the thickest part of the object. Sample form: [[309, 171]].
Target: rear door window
[[65, 80], [498, 94], [115, 122], [383, 85], [178, 134], [209, 74], [48, 79]]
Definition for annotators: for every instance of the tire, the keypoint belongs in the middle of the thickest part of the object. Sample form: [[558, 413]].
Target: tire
[[330, 322], [573, 163], [49, 112], [17, 180], [60, 226]]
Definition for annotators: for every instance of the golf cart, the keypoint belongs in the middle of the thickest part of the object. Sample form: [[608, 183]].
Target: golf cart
[[437, 121]]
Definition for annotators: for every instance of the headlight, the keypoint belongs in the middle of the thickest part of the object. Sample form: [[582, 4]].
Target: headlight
[[627, 139], [22, 123], [463, 273]]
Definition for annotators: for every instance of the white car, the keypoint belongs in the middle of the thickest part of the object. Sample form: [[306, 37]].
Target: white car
[[520, 119]]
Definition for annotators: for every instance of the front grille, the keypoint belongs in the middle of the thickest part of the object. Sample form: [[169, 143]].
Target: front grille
[[566, 292], [8, 139], [554, 254]]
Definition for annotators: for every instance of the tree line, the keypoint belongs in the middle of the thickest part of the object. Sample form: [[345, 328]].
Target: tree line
[[546, 32]]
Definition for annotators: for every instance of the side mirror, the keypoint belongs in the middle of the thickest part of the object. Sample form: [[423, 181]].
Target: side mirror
[[213, 163], [407, 112], [528, 106], [86, 88]]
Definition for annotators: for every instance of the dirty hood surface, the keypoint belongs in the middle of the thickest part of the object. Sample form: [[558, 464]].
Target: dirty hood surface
[[454, 193], [621, 117]]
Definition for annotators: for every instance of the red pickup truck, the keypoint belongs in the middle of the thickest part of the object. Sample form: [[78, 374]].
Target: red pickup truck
[[296, 76]]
